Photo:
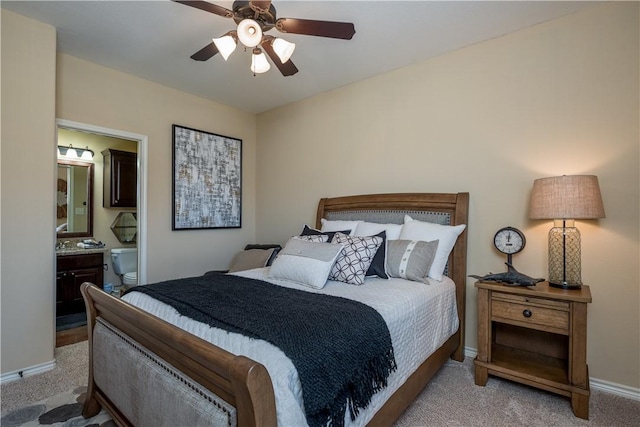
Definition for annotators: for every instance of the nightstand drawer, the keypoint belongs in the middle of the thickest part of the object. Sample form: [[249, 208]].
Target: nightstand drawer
[[530, 314], [538, 302]]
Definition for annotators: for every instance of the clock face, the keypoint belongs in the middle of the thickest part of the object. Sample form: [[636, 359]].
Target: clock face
[[509, 240]]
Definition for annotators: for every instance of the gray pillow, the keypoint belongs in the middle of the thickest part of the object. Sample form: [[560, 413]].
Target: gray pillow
[[410, 259], [306, 263], [249, 259]]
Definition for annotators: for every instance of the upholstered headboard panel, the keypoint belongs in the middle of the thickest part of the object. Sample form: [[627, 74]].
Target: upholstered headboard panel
[[390, 216]]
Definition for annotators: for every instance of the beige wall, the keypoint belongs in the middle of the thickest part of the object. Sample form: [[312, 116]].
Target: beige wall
[[557, 98], [28, 185], [95, 95]]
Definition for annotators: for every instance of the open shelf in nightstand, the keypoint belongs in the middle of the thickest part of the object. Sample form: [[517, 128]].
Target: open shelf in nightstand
[[524, 363], [538, 354]]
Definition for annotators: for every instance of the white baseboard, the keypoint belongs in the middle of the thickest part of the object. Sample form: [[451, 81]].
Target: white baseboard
[[27, 372], [595, 383]]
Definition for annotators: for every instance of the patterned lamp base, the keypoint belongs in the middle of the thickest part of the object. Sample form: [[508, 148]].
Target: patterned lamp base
[[564, 258]]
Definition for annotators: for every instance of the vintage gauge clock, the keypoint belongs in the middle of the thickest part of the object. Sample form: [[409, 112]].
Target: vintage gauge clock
[[509, 241]]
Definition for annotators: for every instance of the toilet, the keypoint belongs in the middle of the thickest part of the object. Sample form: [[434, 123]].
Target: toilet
[[125, 265]]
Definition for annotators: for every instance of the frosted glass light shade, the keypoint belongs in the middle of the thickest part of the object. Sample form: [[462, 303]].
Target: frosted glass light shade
[[87, 154], [259, 63], [283, 49], [249, 32], [226, 45]]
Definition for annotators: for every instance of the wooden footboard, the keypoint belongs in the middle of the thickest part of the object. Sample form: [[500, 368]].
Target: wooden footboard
[[238, 380]]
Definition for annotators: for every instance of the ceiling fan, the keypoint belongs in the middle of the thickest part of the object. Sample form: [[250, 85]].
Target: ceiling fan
[[254, 19]]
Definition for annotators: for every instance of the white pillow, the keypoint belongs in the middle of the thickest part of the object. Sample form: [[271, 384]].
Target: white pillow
[[339, 225], [427, 231], [372, 228], [305, 263]]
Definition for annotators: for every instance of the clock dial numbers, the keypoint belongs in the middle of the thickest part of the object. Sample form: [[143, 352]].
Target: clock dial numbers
[[509, 240]]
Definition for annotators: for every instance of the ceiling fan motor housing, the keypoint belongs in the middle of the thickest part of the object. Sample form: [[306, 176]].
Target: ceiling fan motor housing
[[245, 10]]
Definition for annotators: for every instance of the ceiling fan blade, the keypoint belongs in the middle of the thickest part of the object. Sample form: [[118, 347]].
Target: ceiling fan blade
[[287, 69], [261, 5], [336, 30], [205, 53], [208, 7]]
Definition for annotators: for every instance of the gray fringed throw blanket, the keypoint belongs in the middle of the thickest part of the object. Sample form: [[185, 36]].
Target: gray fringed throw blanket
[[341, 348]]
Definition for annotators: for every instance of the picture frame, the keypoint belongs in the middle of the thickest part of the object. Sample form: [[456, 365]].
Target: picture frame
[[207, 180]]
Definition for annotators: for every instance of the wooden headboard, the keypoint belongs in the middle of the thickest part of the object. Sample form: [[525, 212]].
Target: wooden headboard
[[441, 208]]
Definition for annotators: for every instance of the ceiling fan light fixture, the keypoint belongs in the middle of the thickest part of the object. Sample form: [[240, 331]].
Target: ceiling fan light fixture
[[225, 44], [259, 63], [283, 49], [249, 32]]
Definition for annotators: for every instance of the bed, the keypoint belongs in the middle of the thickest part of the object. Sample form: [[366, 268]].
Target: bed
[[147, 371]]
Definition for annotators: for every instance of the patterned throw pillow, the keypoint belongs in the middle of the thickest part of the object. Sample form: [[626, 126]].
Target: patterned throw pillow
[[410, 259], [355, 258]]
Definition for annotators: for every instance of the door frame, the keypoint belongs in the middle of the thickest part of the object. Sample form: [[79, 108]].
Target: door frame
[[143, 147]]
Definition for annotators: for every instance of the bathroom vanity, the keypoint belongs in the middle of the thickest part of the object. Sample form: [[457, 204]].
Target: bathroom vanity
[[73, 269]]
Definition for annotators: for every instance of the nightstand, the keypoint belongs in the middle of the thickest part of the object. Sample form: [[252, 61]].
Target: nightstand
[[536, 336]]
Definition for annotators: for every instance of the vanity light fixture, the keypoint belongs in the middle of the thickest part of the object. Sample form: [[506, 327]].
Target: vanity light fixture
[[72, 152]]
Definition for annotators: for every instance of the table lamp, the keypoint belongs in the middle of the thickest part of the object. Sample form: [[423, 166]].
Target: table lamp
[[565, 199]]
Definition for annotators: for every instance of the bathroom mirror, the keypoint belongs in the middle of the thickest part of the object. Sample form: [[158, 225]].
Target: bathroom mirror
[[74, 213]]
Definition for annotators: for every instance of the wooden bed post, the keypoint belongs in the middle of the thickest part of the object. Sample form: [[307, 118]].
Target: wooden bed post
[[91, 406], [458, 258]]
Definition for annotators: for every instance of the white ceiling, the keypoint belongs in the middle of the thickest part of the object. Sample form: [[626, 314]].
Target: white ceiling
[[155, 39]]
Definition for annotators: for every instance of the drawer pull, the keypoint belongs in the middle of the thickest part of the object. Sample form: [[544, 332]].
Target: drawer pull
[[527, 313]]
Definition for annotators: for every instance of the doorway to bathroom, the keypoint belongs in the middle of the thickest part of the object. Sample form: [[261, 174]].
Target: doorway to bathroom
[[115, 215]]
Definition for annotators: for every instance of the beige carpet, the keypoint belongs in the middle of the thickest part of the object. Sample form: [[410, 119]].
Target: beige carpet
[[451, 399]]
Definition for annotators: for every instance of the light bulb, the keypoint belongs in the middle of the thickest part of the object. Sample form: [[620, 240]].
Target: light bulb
[[283, 49], [87, 154], [259, 63], [249, 32], [226, 45]]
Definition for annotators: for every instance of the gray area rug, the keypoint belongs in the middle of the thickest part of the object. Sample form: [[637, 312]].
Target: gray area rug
[[64, 409], [451, 399]]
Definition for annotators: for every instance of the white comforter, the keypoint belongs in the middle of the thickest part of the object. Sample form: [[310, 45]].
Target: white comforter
[[420, 318]]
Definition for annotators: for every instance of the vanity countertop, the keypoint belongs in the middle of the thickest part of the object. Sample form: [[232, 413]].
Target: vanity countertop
[[79, 251], [66, 247]]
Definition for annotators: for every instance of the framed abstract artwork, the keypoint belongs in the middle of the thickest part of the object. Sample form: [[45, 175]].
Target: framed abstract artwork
[[207, 180]]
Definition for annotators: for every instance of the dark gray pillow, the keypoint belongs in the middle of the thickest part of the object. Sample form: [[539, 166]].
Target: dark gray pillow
[[377, 267], [308, 231]]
